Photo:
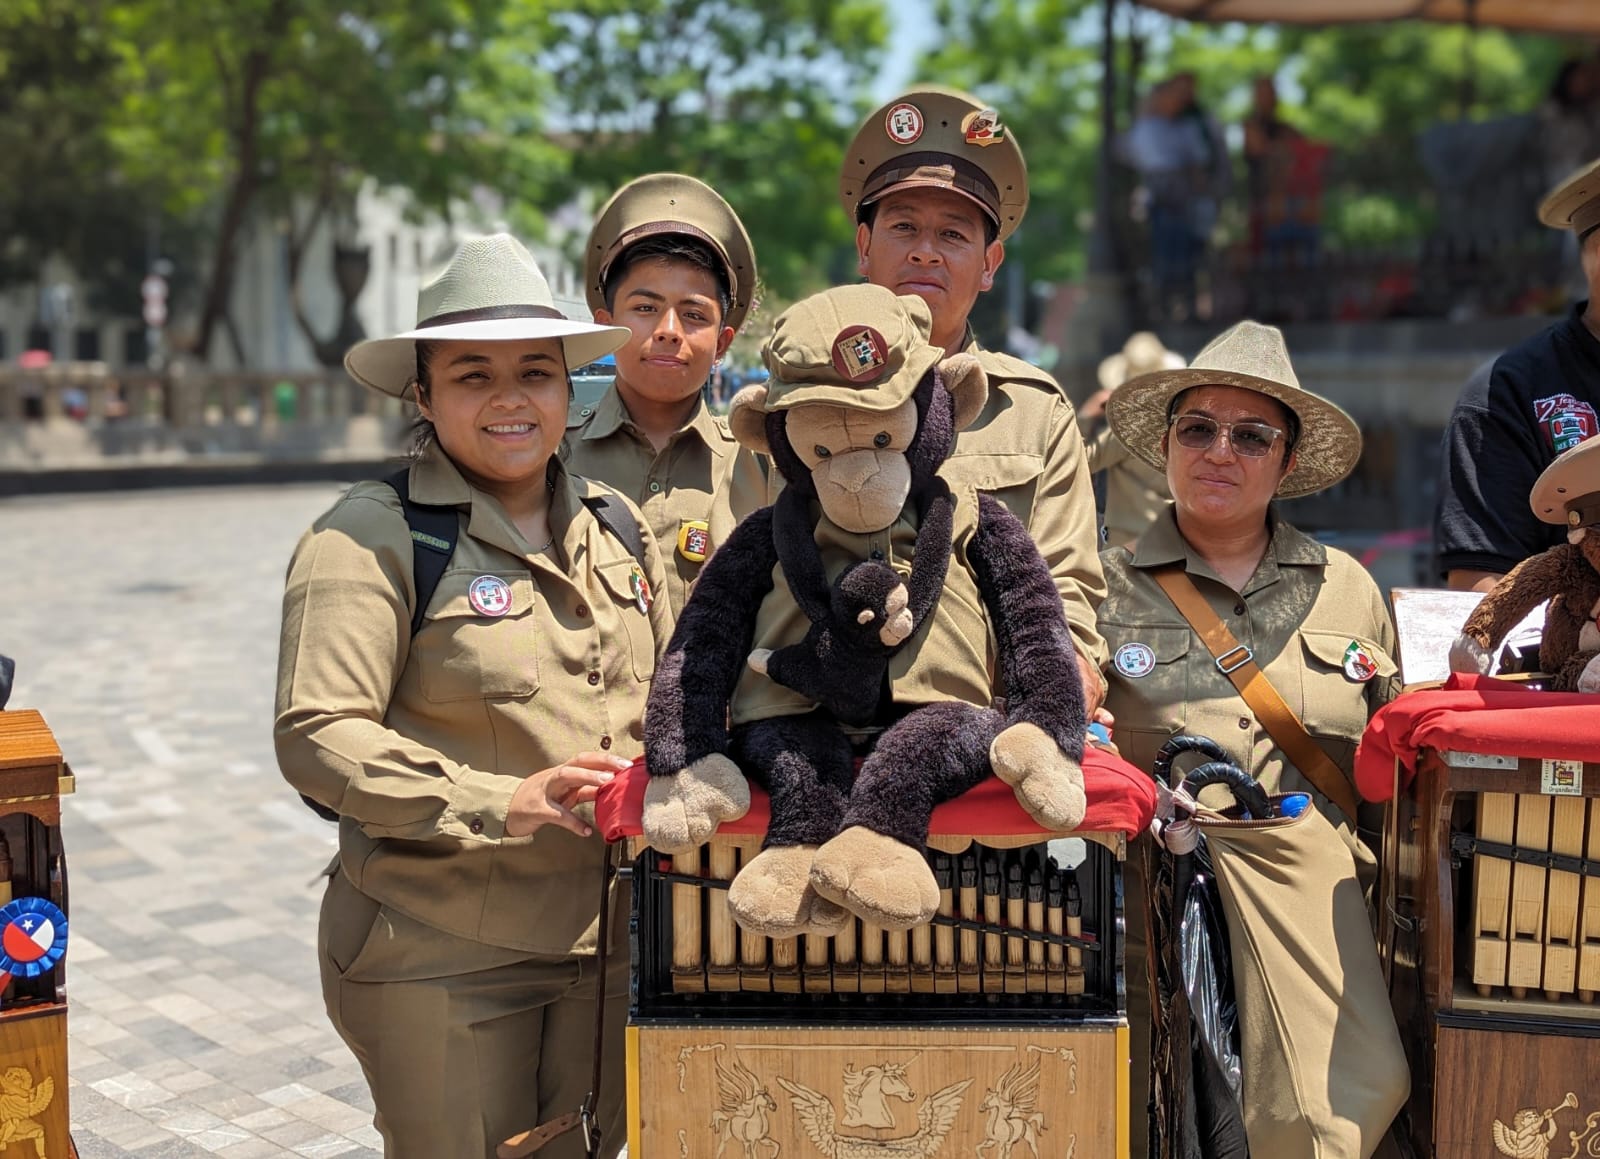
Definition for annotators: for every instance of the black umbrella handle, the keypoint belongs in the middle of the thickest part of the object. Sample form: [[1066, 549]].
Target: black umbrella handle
[[1161, 769]]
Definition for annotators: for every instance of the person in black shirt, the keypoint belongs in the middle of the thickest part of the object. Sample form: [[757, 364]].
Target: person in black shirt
[[1517, 414]]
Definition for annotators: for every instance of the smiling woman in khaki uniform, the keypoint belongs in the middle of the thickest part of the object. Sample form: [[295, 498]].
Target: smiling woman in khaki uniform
[[458, 934], [1232, 432], [669, 260]]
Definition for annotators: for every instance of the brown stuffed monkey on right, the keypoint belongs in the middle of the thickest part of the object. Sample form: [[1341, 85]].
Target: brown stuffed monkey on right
[[1568, 575]]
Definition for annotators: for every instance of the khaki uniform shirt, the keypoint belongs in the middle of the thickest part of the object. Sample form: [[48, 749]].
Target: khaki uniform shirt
[[1135, 491], [420, 742], [1025, 450], [701, 474], [950, 657], [1298, 613]]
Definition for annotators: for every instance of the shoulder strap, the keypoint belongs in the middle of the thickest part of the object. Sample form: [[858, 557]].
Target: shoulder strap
[[615, 517], [1238, 664], [434, 531]]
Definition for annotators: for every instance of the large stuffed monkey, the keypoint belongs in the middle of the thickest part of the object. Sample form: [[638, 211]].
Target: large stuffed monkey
[[859, 413]]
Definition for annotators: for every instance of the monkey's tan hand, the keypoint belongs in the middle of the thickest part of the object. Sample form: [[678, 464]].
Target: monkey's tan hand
[[1468, 655], [682, 810], [1048, 783]]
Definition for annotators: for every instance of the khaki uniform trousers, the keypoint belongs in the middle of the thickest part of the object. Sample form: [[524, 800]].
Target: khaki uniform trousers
[[465, 1044]]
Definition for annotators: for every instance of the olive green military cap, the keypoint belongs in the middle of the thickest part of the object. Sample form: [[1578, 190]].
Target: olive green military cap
[[671, 203], [862, 345], [937, 138]]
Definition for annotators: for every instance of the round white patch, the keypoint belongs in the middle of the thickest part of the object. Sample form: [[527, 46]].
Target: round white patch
[[903, 123], [1134, 660], [490, 595]]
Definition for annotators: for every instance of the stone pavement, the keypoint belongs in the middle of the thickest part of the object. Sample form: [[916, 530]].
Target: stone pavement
[[144, 626]]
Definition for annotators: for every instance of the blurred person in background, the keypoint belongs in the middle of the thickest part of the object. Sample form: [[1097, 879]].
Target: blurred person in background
[[1135, 492]]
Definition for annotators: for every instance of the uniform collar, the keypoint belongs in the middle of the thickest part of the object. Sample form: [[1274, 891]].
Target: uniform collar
[[611, 415], [1162, 543], [436, 481]]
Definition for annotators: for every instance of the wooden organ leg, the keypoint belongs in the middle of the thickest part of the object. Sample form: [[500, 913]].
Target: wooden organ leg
[[1589, 922], [1525, 965], [1491, 892], [1561, 915]]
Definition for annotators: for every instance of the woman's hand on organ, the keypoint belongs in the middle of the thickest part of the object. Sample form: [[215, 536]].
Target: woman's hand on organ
[[549, 796]]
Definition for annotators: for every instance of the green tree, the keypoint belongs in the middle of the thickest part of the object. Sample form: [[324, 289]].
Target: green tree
[[756, 99]]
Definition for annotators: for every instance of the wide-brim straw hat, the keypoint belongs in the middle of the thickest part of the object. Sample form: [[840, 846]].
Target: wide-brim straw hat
[[1142, 353], [671, 203], [491, 291], [1253, 357]]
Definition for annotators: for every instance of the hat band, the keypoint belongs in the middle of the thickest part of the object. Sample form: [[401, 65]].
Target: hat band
[[490, 314], [1586, 217], [659, 228], [965, 177], [1584, 511]]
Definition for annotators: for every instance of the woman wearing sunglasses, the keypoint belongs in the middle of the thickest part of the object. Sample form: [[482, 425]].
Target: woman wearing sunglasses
[[1221, 592]]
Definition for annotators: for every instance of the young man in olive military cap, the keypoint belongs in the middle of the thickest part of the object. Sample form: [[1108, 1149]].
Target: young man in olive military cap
[[936, 183], [669, 259], [1517, 414]]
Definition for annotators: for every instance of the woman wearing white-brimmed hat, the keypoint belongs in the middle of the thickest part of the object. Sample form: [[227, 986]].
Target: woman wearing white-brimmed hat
[[1232, 432], [455, 733]]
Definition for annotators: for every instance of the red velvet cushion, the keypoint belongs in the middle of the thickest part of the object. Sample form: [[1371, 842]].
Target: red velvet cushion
[[1120, 799]]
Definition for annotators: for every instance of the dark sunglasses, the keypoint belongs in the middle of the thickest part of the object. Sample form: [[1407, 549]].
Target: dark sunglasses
[[1251, 440]]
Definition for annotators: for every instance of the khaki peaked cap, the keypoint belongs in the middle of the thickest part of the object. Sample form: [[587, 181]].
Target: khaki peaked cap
[[860, 345], [937, 138], [1575, 203], [1253, 357], [671, 203]]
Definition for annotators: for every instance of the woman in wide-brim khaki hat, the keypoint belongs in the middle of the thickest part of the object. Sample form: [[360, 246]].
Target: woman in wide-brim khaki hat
[[1233, 431], [457, 674]]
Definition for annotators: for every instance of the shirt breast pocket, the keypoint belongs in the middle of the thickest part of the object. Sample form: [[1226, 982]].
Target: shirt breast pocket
[[1333, 697], [619, 578], [1148, 687], [464, 652]]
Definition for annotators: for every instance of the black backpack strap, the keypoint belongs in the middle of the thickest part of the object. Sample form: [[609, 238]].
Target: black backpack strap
[[434, 531], [614, 516]]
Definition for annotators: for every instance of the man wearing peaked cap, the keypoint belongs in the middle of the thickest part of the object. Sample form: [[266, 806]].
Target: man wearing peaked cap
[[670, 260], [1517, 414], [936, 183]]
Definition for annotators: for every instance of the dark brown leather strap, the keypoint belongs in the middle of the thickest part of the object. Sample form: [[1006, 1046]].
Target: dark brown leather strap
[[1238, 664], [525, 1143]]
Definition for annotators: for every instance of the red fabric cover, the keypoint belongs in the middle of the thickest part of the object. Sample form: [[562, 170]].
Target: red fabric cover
[[1475, 714], [1120, 799]]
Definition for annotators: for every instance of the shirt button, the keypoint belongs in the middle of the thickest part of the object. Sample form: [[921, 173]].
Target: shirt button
[[1238, 609], [605, 742], [654, 487], [1244, 722], [582, 610], [877, 553], [594, 678], [477, 825]]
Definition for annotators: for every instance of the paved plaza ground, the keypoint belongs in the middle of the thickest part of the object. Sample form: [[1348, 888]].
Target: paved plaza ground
[[144, 627]]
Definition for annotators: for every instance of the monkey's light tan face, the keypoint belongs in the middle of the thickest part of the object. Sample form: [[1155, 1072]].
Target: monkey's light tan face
[[857, 460]]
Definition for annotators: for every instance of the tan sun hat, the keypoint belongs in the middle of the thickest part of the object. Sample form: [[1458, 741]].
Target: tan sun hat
[[1568, 490], [1575, 203], [1253, 357], [491, 291], [671, 203], [1142, 353], [938, 138]]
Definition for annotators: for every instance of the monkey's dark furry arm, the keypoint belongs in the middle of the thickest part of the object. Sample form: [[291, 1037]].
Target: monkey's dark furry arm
[[796, 541], [935, 539], [687, 714], [1037, 660]]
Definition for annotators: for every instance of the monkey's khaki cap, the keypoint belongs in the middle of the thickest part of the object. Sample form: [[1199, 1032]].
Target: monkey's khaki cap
[[937, 138], [1575, 203], [671, 203], [1568, 490], [863, 346]]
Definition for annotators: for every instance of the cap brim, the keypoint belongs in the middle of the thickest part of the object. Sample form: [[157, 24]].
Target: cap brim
[[388, 365], [1327, 451], [930, 183], [1572, 474]]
